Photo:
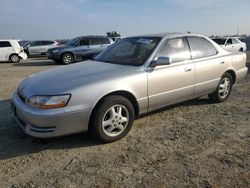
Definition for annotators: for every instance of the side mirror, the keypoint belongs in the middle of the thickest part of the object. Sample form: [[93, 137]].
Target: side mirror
[[162, 61]]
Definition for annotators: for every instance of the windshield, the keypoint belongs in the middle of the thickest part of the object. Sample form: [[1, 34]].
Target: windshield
[[220, 41], [73, 42], [129, 51]]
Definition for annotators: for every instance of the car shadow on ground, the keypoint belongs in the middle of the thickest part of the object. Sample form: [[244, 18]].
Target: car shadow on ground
[[248, 66], [14, 142], [36, 63], [194, 102]]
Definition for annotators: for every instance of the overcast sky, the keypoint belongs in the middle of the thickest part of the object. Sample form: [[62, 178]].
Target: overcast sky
[[54, 19]]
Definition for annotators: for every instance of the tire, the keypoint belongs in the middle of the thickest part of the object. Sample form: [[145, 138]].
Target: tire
[[223, 90], [67, 58], [241, 50], [14, 58], [107, 124]]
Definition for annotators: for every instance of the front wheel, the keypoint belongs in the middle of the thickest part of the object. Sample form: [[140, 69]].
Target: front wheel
[[223, 90], [67, 58], [14, 58], [113, 119]]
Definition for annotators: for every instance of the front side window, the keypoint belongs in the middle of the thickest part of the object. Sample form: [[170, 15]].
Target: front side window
[[220, 41], [73, 42], [5, 44], [130, 51], [229, 41], [177, 49], [201, 47]]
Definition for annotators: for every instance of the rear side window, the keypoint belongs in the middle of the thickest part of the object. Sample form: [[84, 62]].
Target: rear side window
[[84, 42], [99, 41], [201, 47], [177, 49], [5, 44], [220, 41], [36, 43], [47, 42], [104, 41]]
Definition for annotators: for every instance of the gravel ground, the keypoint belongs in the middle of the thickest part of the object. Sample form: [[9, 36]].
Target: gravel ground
[[192, 144]]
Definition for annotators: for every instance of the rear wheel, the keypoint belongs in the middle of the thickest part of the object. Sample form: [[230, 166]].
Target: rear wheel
[[67, 58], [14, 58], [223, 90], [112, 119]]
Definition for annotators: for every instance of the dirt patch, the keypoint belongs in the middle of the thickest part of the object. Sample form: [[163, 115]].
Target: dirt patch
[[192, 144]]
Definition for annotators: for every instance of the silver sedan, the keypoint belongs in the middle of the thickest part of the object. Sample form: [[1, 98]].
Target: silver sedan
[[134, 76]]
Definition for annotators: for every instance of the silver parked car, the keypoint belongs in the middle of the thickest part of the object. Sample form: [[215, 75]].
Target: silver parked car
[[132, 77], [39, 47]]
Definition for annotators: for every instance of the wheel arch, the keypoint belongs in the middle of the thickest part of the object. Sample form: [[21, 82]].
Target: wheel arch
[[14, 54], [128, 95], [233, 74]]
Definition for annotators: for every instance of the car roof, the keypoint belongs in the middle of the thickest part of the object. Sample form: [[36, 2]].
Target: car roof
[[93, 36], [8, 40], [169, 35]]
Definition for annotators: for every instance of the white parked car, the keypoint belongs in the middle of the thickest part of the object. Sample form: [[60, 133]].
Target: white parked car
[[231, 44], [10, 50]]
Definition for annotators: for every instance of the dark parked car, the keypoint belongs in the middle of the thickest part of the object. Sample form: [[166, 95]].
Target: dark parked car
[[79, 49]]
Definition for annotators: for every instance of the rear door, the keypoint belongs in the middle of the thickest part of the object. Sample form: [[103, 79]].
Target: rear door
[[35, 48], [95, 43], [236, 44], [172, 83], [45, 45], [5, 50], [209, 66], [105, 42]]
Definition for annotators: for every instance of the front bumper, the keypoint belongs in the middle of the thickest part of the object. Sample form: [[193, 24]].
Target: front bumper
[[45, 123], [53, 56], [23, 55]]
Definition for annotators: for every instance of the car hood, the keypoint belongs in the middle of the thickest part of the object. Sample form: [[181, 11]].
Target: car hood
[[62, 80]]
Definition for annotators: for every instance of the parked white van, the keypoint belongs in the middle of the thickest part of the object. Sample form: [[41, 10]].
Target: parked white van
[[10, 50]]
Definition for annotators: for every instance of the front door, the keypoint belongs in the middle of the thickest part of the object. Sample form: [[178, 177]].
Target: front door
[[172, 83]]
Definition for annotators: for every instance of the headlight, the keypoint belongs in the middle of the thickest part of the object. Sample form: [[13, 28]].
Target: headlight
[[48, 102], [55, 51]]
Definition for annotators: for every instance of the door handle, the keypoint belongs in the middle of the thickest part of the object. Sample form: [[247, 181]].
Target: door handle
[[222, 62], [187, 69]]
